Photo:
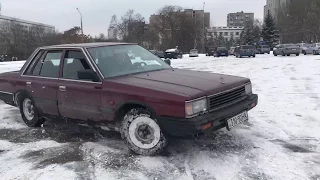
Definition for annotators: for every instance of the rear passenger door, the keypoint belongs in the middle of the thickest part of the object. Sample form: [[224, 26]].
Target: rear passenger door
[[42, 80], [78, 99]]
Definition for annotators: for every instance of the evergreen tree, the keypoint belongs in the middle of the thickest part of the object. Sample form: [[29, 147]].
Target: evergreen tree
[[231, 42], [248, 35], [269, 32], [221, 41]]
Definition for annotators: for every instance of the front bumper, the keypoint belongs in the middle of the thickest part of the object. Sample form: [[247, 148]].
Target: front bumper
[[188, 127]]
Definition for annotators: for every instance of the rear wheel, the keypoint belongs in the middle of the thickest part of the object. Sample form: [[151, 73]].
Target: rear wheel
[[305, 52], [283, 54], [297, 54], [141, 133], [29, 111], [288, 54]]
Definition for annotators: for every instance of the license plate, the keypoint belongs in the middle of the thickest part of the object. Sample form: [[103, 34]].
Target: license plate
[[222, 53], [235, 121]]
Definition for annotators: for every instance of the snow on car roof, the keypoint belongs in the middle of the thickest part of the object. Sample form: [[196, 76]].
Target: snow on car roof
[[171, 50]]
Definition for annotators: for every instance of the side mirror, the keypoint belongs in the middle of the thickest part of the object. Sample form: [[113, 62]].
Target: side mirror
[[88, 74], [168, 61]]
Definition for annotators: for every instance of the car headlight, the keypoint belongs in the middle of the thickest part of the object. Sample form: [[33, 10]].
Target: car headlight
[[248, 88], [195, 107]]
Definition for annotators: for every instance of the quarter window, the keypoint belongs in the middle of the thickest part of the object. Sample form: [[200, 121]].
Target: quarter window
[[74, 61]]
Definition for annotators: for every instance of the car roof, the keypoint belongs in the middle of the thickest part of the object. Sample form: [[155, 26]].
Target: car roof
[[88, 45]]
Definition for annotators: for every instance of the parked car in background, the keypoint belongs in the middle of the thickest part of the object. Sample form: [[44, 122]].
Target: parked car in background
[[261, 49], [160, 54], [221, 51], [173, 54], [193, 53], [316, 49], [300, 45], [210, 51], [143, 98], [286, 50], [307, 49], [231, 51], [245, 50]]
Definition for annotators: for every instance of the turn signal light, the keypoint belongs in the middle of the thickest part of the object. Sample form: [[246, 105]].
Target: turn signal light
[[206, 126]]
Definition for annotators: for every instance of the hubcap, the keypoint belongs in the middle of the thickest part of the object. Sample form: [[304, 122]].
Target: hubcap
[[144, 132], [28, 110]]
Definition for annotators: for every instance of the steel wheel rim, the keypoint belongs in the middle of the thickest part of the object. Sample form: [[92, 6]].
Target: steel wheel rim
[[153, 136], [28, 109]]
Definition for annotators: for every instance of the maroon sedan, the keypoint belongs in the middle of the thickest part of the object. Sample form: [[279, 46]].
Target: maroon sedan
[[126, 88]]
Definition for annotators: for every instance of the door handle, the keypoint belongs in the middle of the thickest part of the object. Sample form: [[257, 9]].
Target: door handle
[[28, 83], [62, 88]]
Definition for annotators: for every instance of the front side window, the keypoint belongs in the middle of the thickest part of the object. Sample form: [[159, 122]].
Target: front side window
[[74, 61], [122, 60], [49, 65]]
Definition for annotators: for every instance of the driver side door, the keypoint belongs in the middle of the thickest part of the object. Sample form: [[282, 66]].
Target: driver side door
[[77, 98]]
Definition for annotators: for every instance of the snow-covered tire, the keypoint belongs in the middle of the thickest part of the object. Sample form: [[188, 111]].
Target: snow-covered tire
[[141, 133], [29, 111]]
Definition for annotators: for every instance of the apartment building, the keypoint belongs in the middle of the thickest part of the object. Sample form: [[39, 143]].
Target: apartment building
[[241, 19]]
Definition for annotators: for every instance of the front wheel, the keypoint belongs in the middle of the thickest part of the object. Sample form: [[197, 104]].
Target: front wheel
[[297, 54], [142, 134]]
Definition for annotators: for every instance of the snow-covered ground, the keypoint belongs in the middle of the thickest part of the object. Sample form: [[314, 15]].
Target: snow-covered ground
[[281, 140]]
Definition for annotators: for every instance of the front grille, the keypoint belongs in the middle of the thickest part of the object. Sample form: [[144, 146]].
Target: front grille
[[225, 98]]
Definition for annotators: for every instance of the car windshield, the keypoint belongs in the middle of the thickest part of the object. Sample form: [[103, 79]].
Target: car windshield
[[247, 47], [221, 48], [122, 60]]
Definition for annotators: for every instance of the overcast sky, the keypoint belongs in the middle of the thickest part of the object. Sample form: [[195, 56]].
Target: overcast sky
[[97, 13]]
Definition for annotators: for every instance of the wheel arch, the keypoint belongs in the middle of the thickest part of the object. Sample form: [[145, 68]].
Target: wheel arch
[[125, 107], [18, 95]]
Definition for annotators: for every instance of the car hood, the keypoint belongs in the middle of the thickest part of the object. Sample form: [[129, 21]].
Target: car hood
[[193, 84]]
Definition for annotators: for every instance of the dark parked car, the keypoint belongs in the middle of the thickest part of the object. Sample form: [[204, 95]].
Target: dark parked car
[[245, 50], [160, 54], [263, 49], [210, 51], [142, 96], [173, 54], [221, 51]]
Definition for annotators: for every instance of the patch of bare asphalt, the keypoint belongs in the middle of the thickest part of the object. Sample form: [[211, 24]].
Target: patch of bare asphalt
[[292, 147], [56, 155]]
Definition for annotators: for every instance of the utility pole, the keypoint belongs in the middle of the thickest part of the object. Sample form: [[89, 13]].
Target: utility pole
[[81, 24], [203, 30]]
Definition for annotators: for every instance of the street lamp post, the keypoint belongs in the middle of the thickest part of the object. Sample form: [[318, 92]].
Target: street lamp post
[[81, 23], [203, 30]]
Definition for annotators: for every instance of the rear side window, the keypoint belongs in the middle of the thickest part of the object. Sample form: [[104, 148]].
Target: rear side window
[[49, 66], [34, 61]]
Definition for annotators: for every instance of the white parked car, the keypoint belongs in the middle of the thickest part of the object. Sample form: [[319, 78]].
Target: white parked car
[[306, 49], [316, 49], [193, 53]]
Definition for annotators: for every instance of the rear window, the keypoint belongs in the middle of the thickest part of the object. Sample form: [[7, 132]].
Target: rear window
[[246, 47], [222, 48], [289, 45]]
